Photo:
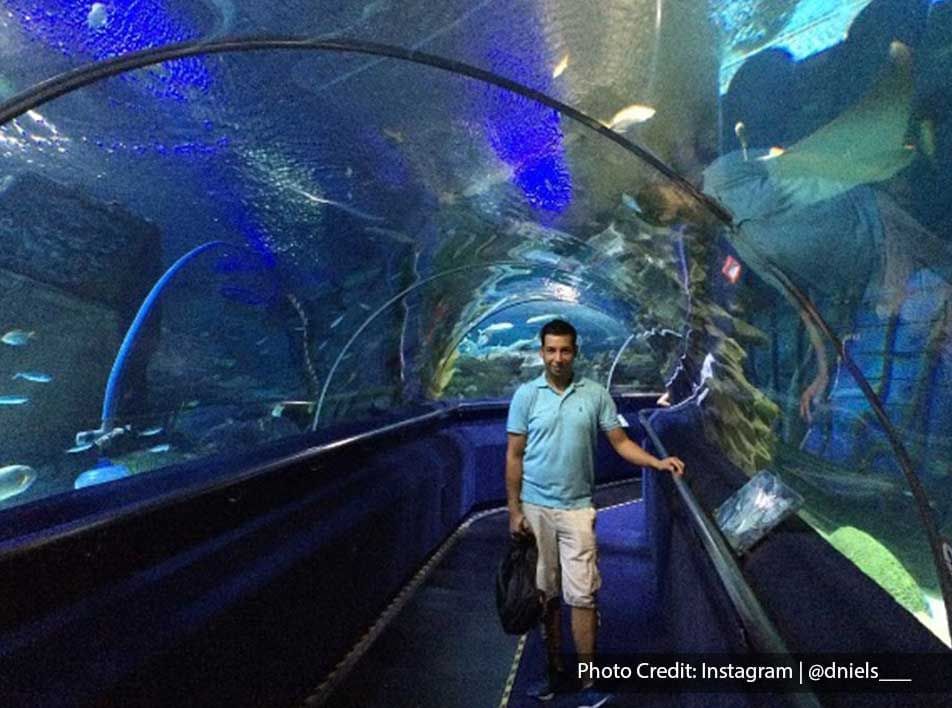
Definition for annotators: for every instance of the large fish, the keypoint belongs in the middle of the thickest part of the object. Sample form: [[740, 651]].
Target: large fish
[[629, 116], [15, 479], [17, 337], [34, 376]]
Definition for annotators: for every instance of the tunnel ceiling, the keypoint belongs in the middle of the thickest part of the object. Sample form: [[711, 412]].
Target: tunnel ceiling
[[346, 181], [350, 186]]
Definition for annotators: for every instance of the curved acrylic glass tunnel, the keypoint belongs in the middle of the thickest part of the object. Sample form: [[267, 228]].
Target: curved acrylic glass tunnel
[[348, 203], [363, 218]]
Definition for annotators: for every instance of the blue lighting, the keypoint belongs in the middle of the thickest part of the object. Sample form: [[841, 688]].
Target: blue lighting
[[528, 137], [115, 28]]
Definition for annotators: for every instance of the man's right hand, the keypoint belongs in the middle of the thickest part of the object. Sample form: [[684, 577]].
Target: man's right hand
[[518, 526]]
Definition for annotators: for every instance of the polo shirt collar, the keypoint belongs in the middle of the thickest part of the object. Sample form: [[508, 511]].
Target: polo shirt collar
[[542, 382]]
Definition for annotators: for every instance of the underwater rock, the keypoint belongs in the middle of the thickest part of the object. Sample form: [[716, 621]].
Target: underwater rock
[[62, 236]]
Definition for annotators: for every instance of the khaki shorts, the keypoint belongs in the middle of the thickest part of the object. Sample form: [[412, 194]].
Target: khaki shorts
[[567, 553]]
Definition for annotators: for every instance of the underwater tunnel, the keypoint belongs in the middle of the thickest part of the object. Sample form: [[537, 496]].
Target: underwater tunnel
[[272, 274]]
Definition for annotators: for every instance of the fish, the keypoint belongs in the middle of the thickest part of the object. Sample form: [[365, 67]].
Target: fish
[[630, 202], [104, 471], [164, 447], [337, 321], [629, 116], [98, 17], [353, 211], [389, 233], [13, 400], [866, 143], [34, 376], [540, 318], [17, 337], [15, 479], [772, 153], [149, 432], [498, 327], [394, 135], [560, 67], [79, 448]]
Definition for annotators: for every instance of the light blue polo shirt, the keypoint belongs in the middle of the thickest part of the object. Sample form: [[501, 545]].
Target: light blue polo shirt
[[558, 469]]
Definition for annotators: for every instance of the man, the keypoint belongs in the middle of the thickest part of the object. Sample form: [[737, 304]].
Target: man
[[552, 427]]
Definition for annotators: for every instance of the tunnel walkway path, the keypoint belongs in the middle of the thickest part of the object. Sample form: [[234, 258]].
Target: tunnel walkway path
[[440, 642]]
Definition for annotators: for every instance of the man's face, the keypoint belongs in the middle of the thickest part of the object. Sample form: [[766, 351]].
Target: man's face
[[558, 354]]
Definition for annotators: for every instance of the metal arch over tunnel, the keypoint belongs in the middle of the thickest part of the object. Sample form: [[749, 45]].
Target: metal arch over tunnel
[[70, 81], [526, 266]]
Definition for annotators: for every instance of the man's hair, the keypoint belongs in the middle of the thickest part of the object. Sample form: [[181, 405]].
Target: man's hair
[[558, 328]]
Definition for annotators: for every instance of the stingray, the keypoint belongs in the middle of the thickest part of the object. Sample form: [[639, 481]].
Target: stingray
[[865, 144], [776, 199]]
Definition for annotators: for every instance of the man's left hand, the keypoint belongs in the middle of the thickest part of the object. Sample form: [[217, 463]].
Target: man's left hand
[[672, 465]]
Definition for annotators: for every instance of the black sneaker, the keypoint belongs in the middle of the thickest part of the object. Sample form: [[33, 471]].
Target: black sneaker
[[545, 689]]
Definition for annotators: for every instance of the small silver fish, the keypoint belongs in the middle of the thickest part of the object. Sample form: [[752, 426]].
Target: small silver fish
[[98, 17], [630, 202], [15, 479], [337, 322], [629, 116], [164, 447], [34, 376], [398, 236], [79, 448], [17, 337], [498, 327], [13, 400], [149, 432], [540, 318]]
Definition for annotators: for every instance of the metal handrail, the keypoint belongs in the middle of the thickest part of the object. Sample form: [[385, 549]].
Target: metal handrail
[[763, 635]]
